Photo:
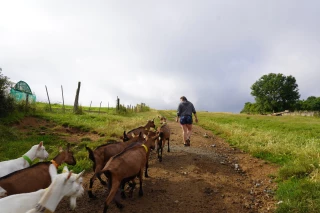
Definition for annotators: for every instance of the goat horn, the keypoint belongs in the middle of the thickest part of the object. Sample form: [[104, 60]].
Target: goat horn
[[79, 175]]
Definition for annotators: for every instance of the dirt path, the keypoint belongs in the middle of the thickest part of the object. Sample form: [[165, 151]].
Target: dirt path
[[208, 177]]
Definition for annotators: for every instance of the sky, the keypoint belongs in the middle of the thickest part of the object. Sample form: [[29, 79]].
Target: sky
[[210, 51]]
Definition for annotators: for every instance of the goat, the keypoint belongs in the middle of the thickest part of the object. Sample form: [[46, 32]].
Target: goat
[[36, 151], [65, 184], [164, 134], [143, 129], [162, 119], [102, 154], [126, 166], [37, 176]]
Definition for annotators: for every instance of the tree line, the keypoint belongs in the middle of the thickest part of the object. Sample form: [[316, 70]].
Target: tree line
[[277, 93]]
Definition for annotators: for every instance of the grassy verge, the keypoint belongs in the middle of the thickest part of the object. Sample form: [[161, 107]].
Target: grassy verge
[[14, 143]]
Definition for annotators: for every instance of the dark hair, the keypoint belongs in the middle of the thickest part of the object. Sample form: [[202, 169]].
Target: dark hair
[[183, 98]]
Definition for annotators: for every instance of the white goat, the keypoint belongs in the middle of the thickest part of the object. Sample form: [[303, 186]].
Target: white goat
[[3, 192], [65, 184], [36, 151]]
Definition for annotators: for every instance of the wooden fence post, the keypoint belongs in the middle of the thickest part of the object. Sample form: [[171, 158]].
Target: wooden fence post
[[100, 107], [63, 109], [76, 101], [118, 104], [90, 106], [48, 99]]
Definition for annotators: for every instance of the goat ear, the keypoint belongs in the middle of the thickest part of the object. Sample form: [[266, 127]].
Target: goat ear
[[52, 171], [65, 169], [41, 144]]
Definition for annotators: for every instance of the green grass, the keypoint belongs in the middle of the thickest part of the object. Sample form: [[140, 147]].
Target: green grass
[[292, 143], [14, 144]]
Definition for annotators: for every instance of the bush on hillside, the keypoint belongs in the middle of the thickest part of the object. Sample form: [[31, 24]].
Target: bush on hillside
[[6, 102]]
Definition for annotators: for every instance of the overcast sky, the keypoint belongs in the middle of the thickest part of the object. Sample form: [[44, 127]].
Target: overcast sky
[[211, 51]]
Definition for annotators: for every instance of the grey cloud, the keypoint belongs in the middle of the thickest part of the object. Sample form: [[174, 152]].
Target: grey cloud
[[154, 52]]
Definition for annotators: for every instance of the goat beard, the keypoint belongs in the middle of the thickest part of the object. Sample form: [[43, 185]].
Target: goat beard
[[73, 202]]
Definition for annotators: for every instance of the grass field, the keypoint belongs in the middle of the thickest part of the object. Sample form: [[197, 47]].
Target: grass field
[[293, 143]]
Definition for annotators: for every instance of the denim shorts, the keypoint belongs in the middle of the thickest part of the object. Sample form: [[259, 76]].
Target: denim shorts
[[186, 119]]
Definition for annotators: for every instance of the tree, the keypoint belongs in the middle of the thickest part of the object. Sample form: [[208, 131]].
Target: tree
[[250, 108], [6, 102], [311, 104], [275, 92]]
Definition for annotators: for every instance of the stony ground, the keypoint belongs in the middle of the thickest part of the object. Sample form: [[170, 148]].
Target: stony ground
[[209, 176]]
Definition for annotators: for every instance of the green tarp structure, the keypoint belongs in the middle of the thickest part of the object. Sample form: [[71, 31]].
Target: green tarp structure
[[20, 92]]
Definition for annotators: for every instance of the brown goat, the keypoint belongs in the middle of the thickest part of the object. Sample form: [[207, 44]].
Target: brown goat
[[143, 129], [35, 177], [162, 119], [126, 166], [102, 154], [164, 134]]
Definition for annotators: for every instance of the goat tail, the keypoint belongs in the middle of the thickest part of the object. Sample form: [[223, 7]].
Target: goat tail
[[91, 155]]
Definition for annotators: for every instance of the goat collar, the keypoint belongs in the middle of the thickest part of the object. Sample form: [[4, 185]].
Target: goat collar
[[42, 209], [27, 159], [145, 147], [54, 163]]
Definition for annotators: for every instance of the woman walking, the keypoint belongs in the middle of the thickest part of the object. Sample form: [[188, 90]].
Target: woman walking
[[185, 110]]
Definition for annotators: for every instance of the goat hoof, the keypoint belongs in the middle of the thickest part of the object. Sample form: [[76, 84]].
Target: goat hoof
[[120, 206], [140, 193], [160, 159], [92, 196], [168, 150], [123, 196]]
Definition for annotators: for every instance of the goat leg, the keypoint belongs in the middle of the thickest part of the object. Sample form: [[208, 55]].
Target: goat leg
[[113, 187], [147, 166], [117, 199], [123, 195], [168, 145], [133, 185], [160, 158], [91, 195], [140, 181], [101, 181]]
